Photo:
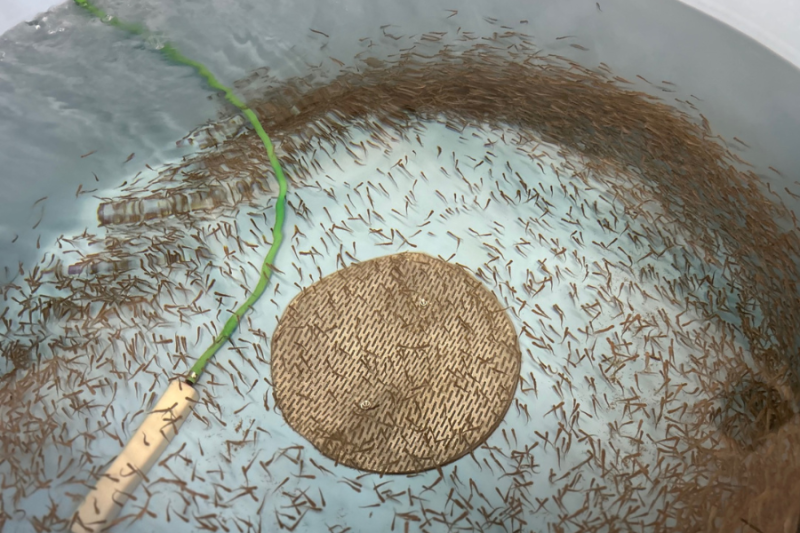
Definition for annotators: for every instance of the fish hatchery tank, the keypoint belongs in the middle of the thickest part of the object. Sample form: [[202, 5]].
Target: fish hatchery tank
[[397, 266]]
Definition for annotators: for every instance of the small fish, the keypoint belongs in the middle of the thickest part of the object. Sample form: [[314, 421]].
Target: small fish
[[375, 63], [737, 139]]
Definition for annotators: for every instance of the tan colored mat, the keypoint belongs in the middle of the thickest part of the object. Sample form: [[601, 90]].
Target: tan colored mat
[[395, 365]]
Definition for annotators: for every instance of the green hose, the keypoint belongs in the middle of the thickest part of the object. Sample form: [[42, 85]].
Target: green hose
[[170, 52]]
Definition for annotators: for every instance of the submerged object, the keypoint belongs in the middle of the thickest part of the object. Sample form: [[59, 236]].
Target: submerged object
[[114, 488]]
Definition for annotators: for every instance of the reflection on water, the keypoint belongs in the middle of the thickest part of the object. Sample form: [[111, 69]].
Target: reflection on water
[[653, 294]]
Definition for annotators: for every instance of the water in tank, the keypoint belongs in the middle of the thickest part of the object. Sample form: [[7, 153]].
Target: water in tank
[[397, 266]]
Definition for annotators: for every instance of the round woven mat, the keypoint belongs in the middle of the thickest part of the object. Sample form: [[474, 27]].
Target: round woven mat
[[395, 365]]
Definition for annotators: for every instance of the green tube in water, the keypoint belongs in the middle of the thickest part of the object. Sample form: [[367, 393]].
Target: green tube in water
[[171, 53]]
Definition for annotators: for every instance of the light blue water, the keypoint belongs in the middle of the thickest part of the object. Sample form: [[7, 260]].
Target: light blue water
[[73, 85], [70, 85], [235, 428]]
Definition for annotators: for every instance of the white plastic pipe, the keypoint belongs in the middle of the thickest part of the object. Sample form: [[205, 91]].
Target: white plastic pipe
[[104, 502]]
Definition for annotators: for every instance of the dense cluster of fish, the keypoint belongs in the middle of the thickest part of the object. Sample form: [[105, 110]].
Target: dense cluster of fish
[[649, 273]]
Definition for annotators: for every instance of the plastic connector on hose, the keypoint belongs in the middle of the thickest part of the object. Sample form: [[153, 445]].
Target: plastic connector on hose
[[102, 505]]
